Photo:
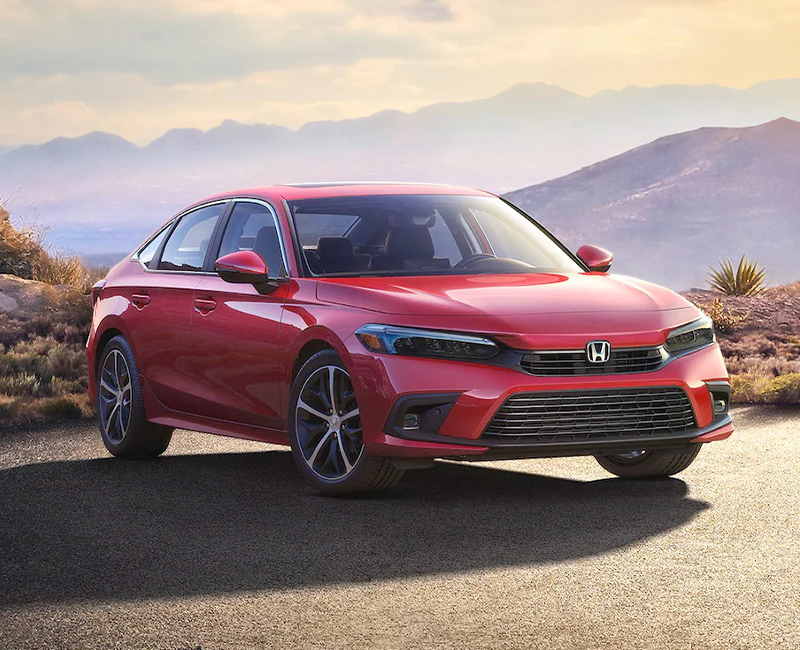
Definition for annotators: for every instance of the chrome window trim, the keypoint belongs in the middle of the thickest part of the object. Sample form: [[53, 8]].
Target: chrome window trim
[[243, 199]]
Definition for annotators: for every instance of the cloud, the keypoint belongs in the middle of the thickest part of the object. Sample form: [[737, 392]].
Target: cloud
[[169, 44], [429, 11], [140, 67]]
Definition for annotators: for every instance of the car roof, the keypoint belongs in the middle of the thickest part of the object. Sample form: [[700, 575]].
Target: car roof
[[297, 191]]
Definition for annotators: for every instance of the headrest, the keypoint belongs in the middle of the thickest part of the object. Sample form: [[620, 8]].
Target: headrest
[[267, 245], [409, 242], [334, 249]]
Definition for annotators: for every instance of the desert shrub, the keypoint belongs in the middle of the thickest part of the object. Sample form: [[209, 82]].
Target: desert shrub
[[21, 384], [747, 279], [61, 386], [772, 367], [61, 408], [23, 253], [746, 388], [724, 318], [7, 407], [782, 390]]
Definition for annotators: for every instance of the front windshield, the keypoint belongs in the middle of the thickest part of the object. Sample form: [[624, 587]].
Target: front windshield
[[422, 235]]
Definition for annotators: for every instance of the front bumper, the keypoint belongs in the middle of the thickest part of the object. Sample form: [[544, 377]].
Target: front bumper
[[472, 393], [439, 446]]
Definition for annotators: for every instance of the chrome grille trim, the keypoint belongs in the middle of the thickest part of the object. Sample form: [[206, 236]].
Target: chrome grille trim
[[597, 414], [562, 363]]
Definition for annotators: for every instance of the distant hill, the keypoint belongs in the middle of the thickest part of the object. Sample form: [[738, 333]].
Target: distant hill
[[101, 193], [671, 208]]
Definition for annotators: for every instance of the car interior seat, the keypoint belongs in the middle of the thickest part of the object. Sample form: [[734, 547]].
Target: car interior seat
[[336, 255], [409, 247]]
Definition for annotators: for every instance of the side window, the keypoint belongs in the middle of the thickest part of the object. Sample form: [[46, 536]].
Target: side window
[[252, 228], [443, 241], [508, 241], [187, 245], [146, 254]]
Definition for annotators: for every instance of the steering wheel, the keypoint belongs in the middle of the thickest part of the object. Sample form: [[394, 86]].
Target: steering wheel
[[467, 261]]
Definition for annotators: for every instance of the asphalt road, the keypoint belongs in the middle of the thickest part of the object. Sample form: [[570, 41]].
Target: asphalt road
[[219, 544]]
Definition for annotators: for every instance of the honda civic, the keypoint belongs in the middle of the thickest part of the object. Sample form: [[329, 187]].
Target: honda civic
[[374, 328]]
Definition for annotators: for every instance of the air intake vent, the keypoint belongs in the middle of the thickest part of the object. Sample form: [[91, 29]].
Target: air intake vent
[[607, 414]]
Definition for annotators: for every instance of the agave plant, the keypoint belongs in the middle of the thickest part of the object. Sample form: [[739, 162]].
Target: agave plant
[[745, 280]]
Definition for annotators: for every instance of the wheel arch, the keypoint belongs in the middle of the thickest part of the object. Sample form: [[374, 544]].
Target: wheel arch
[[309, 349], [308, 343]]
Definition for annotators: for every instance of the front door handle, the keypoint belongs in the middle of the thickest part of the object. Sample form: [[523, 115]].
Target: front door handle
[[205, 305], [140, 299]]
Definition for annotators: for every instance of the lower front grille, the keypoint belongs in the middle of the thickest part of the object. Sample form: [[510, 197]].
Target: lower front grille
[[607, 414], [621, 361]]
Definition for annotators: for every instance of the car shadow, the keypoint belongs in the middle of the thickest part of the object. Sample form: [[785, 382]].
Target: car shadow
[[222, 523]]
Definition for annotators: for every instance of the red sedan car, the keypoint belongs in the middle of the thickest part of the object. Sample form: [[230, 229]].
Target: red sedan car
[[376, 327]]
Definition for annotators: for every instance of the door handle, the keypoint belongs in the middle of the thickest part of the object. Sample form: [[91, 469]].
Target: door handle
[[140, 299], [205, 305]]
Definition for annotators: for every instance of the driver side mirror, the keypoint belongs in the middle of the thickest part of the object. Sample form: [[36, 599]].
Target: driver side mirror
[[245, 267], [597, 259]]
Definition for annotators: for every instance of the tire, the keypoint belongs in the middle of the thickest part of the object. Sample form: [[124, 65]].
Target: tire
[[328, 450], [651, 463], [124, 427]]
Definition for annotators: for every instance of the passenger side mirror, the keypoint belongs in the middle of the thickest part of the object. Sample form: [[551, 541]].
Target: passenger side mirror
[[596, 258], [245, 267]]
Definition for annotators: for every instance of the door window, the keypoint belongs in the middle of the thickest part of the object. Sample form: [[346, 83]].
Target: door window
[[147, 253], [252, 228], [187, 245]]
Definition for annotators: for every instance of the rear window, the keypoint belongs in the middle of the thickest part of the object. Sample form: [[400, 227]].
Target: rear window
[[324, 225]]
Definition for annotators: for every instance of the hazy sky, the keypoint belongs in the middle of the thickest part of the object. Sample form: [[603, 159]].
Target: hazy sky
[[138, 68]]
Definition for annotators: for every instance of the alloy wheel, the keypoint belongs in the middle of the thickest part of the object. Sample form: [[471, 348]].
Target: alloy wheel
[[632, 456], [328, 423], [115, 396]]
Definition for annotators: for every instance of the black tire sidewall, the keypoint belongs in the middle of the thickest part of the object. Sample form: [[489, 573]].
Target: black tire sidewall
[[142, 439], [655, 463]]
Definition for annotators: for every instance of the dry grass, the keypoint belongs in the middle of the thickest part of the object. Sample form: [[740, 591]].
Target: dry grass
[[42, 355], [23, 254], [43, 362]]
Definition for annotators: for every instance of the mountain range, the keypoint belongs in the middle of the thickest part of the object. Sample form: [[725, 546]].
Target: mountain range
[[100, 193], [671, 208]]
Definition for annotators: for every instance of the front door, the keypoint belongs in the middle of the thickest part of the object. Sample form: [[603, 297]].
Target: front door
[[162, 299], [235, 347]]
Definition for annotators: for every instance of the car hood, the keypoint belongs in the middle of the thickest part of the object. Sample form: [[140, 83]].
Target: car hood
[[525, 306]]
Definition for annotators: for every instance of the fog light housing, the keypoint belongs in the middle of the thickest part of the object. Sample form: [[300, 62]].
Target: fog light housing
[[720, 394], [411, 421]]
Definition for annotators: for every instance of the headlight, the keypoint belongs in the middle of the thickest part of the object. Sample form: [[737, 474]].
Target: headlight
[[691, 336], [407, 341]]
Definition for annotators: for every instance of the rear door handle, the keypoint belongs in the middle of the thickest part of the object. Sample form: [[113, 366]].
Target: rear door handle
[[205, 305], [140, 299]]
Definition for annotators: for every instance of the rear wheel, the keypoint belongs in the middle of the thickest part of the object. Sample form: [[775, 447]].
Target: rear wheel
[[120, 407], [652, 463], [325, 432]]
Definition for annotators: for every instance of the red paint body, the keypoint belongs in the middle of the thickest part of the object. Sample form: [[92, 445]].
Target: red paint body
[[219, 357]]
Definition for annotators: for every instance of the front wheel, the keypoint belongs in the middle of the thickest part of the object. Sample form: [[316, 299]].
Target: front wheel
[[325, 432], [651, 463]]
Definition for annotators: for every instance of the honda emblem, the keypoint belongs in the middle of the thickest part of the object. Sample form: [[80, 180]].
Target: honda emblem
[[598, 351]]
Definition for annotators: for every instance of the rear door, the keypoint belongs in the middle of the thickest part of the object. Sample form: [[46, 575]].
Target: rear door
[[235, 358], [162, 303]]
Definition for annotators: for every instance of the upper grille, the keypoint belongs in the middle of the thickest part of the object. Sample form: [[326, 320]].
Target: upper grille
[[592, 415], [575, 362]]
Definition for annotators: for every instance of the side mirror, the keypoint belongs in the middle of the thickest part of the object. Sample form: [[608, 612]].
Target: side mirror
[[245, 267], [596, 258]]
